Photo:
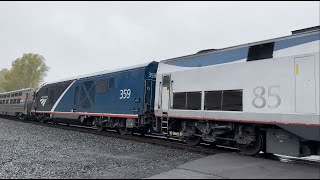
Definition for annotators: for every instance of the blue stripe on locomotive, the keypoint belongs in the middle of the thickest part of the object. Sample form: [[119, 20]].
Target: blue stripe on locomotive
[[238, 53], [111, 101]]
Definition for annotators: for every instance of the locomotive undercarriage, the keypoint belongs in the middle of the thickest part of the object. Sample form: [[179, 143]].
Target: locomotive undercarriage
[[122, 125], [248, 138]]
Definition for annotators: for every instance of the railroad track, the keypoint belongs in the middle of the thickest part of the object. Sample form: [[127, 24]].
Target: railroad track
[[150, 139], [176, 143]]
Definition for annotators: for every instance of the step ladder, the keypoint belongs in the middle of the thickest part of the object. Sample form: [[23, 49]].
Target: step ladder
[[165, 125]]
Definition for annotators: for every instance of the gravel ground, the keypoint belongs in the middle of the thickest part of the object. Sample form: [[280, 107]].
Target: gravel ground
[[33, 151]]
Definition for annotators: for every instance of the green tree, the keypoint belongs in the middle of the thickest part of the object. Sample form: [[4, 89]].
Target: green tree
[[2, 72], [26, 72]]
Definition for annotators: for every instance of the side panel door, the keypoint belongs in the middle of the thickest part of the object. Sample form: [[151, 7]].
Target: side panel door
[[305, 84], [149, 94]]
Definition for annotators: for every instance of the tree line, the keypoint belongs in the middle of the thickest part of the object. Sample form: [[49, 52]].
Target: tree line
[[27, 71]]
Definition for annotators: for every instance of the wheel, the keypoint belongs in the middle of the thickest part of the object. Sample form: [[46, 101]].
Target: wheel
[[143, 131], [22, 116], [53, 122], [194, 140], [100, 128], [142, 134], [253, 148], [82, 120], [213, 144], [42, 120], [123, 130]]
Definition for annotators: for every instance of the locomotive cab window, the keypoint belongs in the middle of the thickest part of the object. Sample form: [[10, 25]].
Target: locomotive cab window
[[261, 51]]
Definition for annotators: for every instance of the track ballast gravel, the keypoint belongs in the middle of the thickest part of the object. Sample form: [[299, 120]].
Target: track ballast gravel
[[33, 151]]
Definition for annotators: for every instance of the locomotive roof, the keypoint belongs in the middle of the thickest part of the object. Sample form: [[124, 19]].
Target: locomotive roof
[[102, 72], [16, 91], [296, 33]]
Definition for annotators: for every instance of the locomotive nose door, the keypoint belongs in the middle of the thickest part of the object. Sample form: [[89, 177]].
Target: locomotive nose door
[[165, 94]]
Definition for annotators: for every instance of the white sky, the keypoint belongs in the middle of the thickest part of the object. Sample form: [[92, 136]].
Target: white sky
[[84, 37]]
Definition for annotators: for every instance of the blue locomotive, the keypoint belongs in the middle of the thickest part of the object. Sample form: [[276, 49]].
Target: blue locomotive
[[121, 99]]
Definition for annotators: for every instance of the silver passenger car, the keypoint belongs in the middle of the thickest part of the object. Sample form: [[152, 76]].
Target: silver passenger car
[[16, 103]]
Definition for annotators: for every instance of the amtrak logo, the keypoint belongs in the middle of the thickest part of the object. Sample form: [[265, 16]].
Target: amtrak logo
[[43, 100]]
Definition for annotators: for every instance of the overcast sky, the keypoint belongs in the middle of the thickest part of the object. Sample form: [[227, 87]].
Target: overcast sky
[[84, 37]]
